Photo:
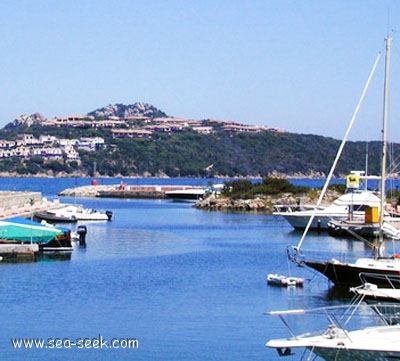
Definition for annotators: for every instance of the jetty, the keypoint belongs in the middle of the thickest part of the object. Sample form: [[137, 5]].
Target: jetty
[[122, 191]]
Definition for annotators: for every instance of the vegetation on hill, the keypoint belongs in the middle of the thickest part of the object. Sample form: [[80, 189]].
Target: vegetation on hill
[[190, 154]]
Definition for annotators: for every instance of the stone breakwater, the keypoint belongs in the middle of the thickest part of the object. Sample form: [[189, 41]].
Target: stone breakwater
[[120, 191]]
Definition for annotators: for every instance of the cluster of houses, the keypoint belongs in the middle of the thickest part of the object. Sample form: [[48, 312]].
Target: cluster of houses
[[46, 146], [145, 127], [136, 126]]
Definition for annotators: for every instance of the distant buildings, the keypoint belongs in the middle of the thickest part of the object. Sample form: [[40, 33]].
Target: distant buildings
[[136, 126], [49, 147], [145, 127]]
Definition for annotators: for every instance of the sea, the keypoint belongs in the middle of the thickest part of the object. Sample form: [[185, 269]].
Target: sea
[[161, 281]]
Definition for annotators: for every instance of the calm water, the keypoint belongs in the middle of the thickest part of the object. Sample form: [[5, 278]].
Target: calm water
[[187, 284]]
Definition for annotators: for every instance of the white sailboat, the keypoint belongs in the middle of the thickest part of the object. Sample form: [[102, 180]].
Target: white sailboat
[[341, 273]]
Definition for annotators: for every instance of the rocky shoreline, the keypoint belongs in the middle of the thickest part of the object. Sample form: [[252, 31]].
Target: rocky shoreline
[[78, 174], [261, 203]]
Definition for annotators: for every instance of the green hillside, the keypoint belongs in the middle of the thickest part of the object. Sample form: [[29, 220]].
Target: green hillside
[[190, 154]]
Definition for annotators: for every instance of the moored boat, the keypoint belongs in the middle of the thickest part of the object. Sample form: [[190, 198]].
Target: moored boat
[[284, 281], [18, 230], [345, 337], [73, 213]]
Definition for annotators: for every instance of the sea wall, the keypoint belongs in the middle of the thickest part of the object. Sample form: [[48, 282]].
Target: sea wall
[[18, 199]]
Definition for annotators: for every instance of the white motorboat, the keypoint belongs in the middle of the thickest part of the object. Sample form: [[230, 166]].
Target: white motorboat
[[343, 338], [353, 202], [73, 213]]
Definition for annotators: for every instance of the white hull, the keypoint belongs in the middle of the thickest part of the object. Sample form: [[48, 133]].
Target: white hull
[[79, 213], [370, 344], [379, 342]]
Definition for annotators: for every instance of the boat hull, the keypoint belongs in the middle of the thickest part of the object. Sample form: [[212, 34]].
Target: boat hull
[[51, 217], [72, 214], [334, 350], [342, 354], [347, 274]]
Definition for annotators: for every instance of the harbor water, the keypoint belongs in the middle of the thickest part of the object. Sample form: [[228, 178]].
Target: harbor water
[[186, 284]]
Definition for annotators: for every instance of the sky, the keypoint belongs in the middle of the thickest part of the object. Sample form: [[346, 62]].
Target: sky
[[296, 65]]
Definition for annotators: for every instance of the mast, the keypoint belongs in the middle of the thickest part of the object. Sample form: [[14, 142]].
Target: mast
[[384, 144], [339, 152]]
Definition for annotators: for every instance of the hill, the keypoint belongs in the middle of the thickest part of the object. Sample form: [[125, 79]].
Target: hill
[[187, 152]]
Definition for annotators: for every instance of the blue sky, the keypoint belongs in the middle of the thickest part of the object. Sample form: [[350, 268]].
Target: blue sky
[[297, 65]]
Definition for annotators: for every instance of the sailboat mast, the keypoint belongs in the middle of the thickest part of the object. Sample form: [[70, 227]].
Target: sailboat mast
[[384, 140]]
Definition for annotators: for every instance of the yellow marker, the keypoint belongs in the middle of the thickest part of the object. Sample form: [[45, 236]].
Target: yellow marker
[[352, 181]]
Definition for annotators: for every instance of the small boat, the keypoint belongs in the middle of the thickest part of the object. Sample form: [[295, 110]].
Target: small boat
[[74, 213], [342, 338], [18, 230], [54, 217], [284, 281]]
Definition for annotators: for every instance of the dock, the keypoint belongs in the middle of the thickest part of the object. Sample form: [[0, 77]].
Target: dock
[[18, 252]]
